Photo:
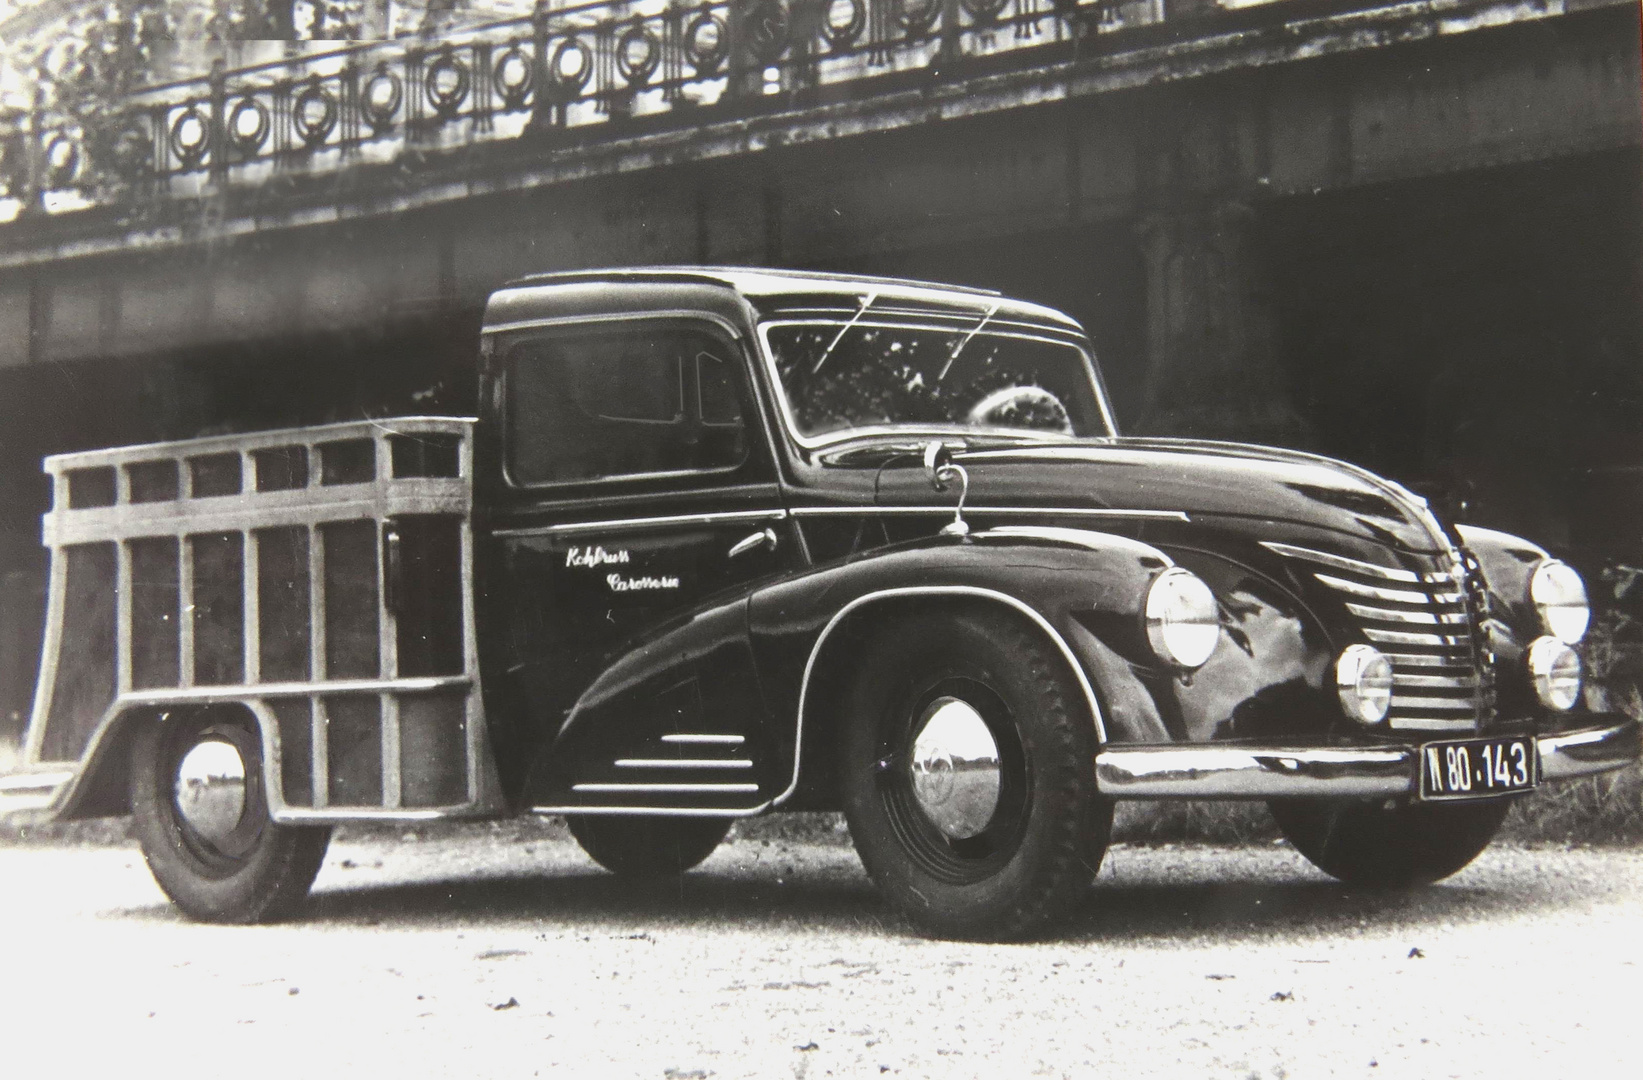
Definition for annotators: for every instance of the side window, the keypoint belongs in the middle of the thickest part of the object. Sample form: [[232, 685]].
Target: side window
[[646, 398]]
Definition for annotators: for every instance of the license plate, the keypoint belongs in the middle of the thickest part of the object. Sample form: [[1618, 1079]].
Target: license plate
[[1478, 768]]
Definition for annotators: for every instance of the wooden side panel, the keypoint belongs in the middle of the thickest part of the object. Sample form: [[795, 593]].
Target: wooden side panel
[[296, 723], [155, 613], [353, 735], [282, 590], [432, 747], [219, 608], [351, 646], [83, 687]]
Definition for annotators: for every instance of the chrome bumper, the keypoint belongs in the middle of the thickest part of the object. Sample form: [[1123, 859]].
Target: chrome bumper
[[1272, 772]]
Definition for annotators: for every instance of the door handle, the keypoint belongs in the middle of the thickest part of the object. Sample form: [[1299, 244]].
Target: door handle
[[764, 538]]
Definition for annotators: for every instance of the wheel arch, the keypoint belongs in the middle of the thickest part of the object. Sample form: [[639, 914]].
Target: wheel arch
[[103, 786], [841, 643]]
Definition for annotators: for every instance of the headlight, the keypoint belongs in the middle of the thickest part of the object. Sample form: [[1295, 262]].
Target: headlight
[[1363, 678], [1554, 668], [1560, 599], [1183, 620]]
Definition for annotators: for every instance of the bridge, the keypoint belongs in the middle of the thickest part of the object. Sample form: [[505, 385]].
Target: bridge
[[1405, 233]]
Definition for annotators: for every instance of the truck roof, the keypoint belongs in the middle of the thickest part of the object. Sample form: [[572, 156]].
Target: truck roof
[[512, 302]]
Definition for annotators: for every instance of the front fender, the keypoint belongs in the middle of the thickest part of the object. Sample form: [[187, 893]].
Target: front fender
[[1082, 590]]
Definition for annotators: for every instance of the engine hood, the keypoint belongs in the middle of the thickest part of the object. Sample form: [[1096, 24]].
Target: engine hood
[[1201, 479]]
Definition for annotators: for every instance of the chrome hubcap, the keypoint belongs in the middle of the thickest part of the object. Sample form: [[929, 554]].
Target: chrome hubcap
[[955, 768], [210, 789]]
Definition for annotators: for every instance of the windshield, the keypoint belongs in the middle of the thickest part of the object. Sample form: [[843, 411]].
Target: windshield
[[841, 374]]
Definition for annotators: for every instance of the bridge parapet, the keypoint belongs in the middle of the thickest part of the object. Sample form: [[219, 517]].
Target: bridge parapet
[[567, 74]]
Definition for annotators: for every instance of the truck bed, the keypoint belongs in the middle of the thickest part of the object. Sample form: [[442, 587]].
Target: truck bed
[[319, 577]]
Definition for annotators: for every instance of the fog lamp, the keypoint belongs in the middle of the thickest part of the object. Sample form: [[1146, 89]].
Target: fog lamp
[[1560, 600], [1183, 619], [1554, 668], [1363, 678]]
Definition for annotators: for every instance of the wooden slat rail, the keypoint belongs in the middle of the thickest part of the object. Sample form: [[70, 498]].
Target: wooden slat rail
[[251, 569]]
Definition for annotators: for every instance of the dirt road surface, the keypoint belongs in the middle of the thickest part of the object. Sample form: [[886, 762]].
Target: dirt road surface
[[500, 951]]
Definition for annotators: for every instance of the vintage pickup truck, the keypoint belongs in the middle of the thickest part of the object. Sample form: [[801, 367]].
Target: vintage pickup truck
[[728, 541]]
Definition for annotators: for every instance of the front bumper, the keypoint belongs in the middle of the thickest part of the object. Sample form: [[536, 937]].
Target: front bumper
[[1200, 771]]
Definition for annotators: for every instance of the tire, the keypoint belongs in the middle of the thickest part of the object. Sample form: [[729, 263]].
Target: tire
[[1389, 845], [643, 847], [257, 871], [995, 861]]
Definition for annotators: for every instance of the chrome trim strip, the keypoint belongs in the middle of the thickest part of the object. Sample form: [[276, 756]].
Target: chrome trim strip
[[1413, 723], [936, 590], [1019, 511], [706, 740], [1252, 772], [677, 789], [1450, 682], [1388, 615], [622, 524], [1396, 596], [1398, 637], [650, 811], [1569, 754], [683, 763], [293, 689], [1341, 562], [1425, 660], [1432, 704], [1084, 538]]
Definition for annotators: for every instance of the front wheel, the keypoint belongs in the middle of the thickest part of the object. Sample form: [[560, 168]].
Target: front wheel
[[642, 846], [968, 776], [1390, 844], [201, 817]]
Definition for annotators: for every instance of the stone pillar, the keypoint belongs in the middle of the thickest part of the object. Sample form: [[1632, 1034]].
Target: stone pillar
[[1212, 364]]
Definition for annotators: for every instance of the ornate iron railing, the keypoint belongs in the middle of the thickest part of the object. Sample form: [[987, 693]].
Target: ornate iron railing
[[625, 64]]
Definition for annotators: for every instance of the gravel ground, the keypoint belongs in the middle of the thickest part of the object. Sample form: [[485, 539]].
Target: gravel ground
[[503, 951]]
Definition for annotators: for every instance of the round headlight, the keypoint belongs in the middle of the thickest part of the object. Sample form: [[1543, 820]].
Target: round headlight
[[1560, 599], [1183, 620], [1554, 668], [1363, 678]]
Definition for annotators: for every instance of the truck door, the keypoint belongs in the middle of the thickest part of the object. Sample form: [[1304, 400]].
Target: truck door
[[636, 485]]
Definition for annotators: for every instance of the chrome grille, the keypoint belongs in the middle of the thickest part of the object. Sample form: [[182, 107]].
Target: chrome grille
[[1426, 624]]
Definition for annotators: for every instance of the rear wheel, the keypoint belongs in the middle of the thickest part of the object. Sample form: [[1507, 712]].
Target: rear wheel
[[1389, 844], [643, 846], [968, 776], [201, 816]]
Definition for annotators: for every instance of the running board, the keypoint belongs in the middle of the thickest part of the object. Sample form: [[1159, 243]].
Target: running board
[[1275, 772]]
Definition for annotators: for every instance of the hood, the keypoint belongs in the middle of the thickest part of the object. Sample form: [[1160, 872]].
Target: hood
[[1199, 478]]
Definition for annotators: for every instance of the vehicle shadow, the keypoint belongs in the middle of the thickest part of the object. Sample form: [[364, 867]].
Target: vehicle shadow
[[833, 895]]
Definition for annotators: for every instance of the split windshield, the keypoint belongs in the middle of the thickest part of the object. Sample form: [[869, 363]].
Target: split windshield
[[840, 374]]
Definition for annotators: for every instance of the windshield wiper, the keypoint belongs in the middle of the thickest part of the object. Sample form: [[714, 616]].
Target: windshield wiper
[[974, 330], [866, 302]]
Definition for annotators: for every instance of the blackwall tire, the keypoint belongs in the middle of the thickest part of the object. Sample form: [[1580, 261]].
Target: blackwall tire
[[258, 871], [1012, 863], [1389, 845], [640, 846]]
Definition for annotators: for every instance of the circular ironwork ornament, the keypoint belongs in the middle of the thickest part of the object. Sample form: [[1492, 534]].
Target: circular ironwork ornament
[[512, 77], [983, 11], [843, 22], [446, 84], [570, 67], [314, 114], [706, 41], [190, 136], [916, 16], [768, 27], [248, 124], [638, 51], [380, 97]]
